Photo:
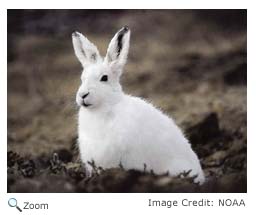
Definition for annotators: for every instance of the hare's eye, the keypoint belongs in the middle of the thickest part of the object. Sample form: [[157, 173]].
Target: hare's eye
[[104, 78]]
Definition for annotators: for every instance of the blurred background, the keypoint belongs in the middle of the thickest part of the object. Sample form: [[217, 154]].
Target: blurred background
[[190, 63]]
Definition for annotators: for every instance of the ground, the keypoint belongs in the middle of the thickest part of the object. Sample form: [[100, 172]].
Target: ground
[[191, 64]]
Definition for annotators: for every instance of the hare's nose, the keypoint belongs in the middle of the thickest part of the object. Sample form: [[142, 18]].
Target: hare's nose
[[84, 95]]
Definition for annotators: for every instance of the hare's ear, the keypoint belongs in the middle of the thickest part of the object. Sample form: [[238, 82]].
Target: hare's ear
[[118, 49], [86, 52]]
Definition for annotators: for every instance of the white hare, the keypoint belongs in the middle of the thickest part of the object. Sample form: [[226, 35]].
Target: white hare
[[115, 128]]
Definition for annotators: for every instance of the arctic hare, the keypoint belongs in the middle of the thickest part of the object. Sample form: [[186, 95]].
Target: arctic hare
[[115, 128]]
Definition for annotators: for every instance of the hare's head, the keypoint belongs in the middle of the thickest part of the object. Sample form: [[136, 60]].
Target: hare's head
[[100, 77]]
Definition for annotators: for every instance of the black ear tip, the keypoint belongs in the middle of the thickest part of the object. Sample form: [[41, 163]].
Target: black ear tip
[[75, 34], [126, 28]]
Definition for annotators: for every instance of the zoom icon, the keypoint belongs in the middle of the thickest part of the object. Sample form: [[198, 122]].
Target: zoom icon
[[12, 202]]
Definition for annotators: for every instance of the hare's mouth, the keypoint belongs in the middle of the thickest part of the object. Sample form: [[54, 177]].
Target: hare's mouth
[[86, 104]]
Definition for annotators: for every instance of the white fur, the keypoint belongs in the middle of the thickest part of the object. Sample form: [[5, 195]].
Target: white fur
[[118, 128]]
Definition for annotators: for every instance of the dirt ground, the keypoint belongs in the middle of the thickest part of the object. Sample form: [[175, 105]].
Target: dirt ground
[[190, 63]]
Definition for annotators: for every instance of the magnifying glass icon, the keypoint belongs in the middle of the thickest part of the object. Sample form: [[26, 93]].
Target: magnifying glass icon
[[12, 202]]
